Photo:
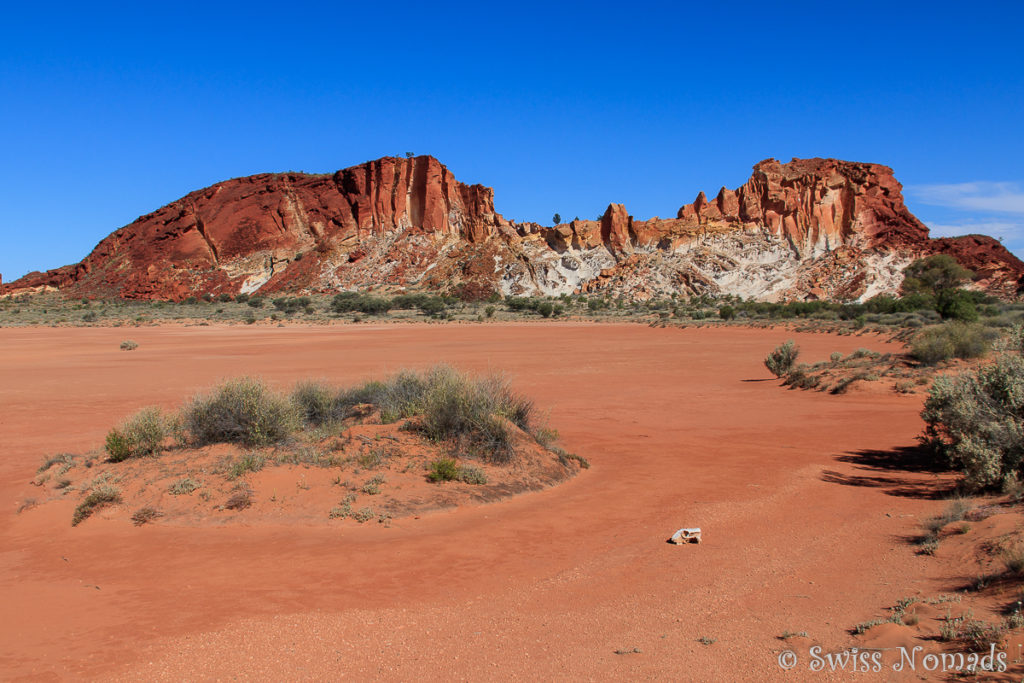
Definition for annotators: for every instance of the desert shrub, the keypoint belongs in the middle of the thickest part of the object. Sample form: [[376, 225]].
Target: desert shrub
[[145, 515], [241, 298], [546, 309], [471, 474], [443, 469], [727, 312], [129, 345], [976, 420], [802, 377], [472, 413], [241, 410], [780, 361], [1013, 558], [354, 301], [184, 487], [89, 317], [117, 446], [372, 486], [453, 407], [255, 302], [951, 340], [428, 304], [240, 499], [316, 402], [98, 498], [142, 434], [250, 462], [489, 311]]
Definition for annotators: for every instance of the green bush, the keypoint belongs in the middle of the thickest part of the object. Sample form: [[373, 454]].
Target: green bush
[[956, 304], [346, 302], [726, 312], [470, 474], [241, 410], [129, 345], [470, 412], [443, 469], [780, 361], [142, 434], [951, 340], [976, 420], [316, 402]]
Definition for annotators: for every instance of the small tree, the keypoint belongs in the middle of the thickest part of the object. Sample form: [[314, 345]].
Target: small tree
[[781, 360], [956, 304], [934, 274], [727, 312], [557, 218]]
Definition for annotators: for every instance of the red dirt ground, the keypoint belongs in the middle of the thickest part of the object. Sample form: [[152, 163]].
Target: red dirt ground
[[683, 427]]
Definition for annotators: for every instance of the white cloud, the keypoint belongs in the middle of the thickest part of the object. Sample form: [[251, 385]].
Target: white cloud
[[1005, 229], [1001, 197]]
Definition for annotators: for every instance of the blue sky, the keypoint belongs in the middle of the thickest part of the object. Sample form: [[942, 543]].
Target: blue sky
[[109, 112]]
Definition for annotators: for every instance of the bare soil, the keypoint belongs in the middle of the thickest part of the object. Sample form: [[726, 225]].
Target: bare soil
[[808, 503]]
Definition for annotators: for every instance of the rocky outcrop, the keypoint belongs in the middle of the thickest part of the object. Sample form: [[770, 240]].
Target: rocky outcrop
[[810, 228]]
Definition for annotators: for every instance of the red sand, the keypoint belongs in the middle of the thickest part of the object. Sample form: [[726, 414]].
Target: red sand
[[682, 427]]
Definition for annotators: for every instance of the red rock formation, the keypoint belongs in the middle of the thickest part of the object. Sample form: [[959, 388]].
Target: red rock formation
[[817, 204], [408, 222], [192, 246]]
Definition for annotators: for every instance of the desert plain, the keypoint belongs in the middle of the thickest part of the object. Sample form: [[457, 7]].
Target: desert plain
[[807, 502]]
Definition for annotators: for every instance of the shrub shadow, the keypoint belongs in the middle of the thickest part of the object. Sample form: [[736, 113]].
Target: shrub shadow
[[898, 471]]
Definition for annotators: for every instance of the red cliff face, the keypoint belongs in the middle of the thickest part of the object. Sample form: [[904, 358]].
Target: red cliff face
[[807, 228], [817, 204], [201, 242]]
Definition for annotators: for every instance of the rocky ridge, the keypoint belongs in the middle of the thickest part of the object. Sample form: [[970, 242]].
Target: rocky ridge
[[810, 228]]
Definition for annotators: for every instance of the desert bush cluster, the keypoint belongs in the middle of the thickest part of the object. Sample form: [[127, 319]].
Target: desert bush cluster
[[473, 415], [976, 421], [953, 339]]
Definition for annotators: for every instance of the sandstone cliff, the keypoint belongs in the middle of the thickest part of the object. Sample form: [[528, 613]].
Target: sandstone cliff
[[811, 228]]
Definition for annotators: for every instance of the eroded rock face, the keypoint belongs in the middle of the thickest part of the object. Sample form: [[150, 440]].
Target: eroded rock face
[[811, 228]]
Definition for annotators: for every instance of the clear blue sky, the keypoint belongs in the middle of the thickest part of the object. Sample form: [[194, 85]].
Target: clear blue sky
[[108, 112]]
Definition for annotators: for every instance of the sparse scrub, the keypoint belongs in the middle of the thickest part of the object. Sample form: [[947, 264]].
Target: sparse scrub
[[129, 345], [240, 499], [184, 487], [780, 361], [242, 411], [99, 498], [976, 420], [145, 515], [951, 340], [142, 434], [1013, 558], [316, 402], [471, 474], [250, 462], [443, 469]]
